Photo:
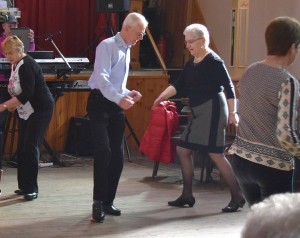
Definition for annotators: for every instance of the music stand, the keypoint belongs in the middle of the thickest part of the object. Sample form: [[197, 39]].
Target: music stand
[[69, 68]]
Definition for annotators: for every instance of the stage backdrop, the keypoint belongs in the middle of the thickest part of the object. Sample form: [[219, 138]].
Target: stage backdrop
[[77, 20]]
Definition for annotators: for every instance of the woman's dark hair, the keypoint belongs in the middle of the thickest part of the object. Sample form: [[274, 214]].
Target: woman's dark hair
[[280, 34]]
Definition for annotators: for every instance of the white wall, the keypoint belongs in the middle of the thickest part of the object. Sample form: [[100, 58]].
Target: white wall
[[261, 13], [217, 14]]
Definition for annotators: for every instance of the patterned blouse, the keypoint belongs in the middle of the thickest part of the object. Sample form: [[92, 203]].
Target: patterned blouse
[[267, 132]]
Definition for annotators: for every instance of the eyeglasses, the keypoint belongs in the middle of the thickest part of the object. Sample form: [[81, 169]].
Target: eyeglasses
[[191, 41], [141, 34], [135, 31]]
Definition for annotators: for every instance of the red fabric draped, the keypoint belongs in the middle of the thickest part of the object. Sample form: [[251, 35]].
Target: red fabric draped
[[156, 142], [78, 21]]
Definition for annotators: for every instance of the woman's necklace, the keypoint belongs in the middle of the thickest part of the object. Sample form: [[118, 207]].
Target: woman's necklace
[[199, 59]]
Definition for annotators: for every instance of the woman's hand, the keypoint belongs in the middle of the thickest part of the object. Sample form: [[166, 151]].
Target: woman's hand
[[167, 93], [158, 101], [233, 118]]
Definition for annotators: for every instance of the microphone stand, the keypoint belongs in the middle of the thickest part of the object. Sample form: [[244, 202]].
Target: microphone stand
[[52, 153], [63, 72]]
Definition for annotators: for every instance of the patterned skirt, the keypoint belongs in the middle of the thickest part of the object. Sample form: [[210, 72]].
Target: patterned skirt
[[206, 130]]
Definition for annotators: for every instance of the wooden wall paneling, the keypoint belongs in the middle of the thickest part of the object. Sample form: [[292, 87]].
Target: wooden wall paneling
[[69, 105], [173, 18]]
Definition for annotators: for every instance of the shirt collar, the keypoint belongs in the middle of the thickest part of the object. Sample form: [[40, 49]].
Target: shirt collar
[[120, 42]]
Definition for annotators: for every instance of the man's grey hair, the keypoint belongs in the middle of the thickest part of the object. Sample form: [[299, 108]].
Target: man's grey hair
[[134, 18]]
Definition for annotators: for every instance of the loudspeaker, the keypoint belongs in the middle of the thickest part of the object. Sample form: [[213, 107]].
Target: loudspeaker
[[79, 140], [113, 5]]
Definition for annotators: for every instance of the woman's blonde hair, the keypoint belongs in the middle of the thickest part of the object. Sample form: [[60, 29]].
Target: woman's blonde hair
[[12, 43]]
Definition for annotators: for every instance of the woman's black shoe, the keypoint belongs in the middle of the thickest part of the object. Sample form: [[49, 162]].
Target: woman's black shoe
[[233, 206], [30, 196], [180, 202], [98, 212], [19, 192]]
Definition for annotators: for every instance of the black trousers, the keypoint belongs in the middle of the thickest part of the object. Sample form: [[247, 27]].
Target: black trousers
[[31, 135], [258, 182], [4, 96], [107, 125]]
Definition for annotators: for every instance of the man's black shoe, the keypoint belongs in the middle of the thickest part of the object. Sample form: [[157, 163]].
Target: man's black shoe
[[98, 212], [111, 209], [30, 196]]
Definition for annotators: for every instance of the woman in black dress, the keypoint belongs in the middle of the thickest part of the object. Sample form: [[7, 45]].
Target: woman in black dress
[[31, 97], [204, 80]]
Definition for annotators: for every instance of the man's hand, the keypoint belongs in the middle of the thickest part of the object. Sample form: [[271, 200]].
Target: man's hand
[[126, 102], [135, 95]]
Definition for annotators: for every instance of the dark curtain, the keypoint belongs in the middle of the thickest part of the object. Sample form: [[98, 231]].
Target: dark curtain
[[80, 24]]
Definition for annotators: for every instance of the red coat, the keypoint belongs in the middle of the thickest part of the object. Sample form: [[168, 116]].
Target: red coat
[[156, 142]]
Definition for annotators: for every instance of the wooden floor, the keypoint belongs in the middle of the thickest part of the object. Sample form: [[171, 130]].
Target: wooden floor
[[63, 208]]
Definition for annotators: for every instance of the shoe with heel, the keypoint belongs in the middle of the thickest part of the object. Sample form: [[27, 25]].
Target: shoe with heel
[[234, 205], [181, 202]]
